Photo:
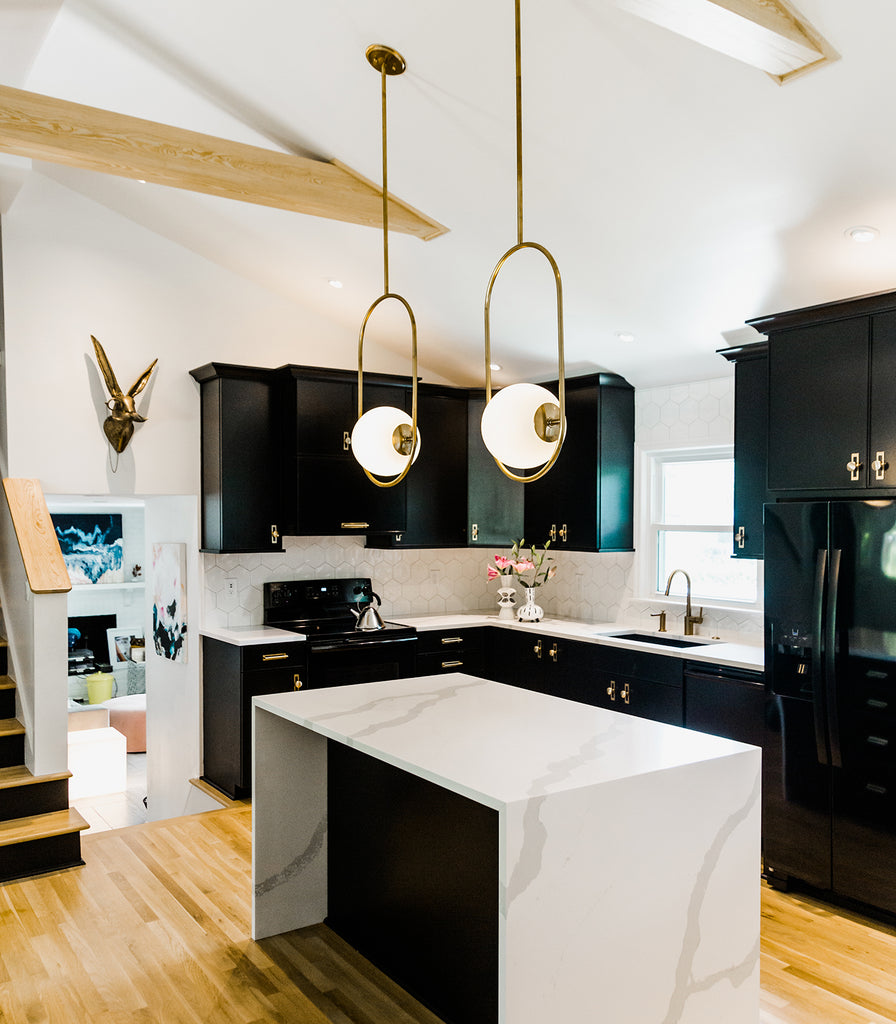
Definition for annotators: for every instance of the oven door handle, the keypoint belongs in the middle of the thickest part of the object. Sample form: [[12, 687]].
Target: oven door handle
[[349, 645]]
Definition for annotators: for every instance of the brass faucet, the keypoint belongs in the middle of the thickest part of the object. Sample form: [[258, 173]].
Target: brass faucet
[[689, 620]]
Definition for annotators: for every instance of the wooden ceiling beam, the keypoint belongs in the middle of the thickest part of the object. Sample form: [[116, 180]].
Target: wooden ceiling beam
[[767, 34], [61, 132]]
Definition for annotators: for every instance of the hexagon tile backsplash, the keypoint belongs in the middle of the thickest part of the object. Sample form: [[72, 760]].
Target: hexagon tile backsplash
[[591, 587]]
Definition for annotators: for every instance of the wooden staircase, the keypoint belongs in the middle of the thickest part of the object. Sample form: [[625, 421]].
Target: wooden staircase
[[39, 832]]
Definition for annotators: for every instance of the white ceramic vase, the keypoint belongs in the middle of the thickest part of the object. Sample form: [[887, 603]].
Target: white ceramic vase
[[530, 611], [506, 601]]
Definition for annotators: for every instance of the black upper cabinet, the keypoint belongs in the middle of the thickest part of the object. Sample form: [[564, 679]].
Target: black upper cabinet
[[494, 501], [584, 502], [240, 459], [750, 445], [831, 416], [325, 490], [436, 484]]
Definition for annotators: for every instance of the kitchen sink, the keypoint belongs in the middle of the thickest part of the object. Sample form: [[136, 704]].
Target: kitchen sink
[[658, 638]]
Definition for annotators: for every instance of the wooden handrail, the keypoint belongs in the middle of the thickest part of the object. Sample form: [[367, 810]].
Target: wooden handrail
[[44, 564]]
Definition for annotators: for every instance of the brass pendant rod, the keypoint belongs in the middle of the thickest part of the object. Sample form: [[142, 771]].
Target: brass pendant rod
[[385, 189], [519, 126]]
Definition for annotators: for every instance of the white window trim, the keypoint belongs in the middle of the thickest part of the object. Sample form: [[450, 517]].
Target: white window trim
[[650, 462]]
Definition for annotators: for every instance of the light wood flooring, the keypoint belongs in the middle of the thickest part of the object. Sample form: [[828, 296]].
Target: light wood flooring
[[154, 929]]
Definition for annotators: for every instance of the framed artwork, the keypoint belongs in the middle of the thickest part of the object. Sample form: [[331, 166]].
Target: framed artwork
[[91, 547], [169, 603], [120, 639]]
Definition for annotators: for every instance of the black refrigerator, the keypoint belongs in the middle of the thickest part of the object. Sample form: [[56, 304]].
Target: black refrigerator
[[829, 751]]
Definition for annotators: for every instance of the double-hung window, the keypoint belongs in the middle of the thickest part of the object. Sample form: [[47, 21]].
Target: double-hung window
[[691, 508]]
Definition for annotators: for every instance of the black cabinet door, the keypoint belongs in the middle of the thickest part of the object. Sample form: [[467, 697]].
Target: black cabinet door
[[325, 490], [494, 501], [818, 406], [584, 502], [562, 505], [240, 459], [725, 704], [750, 448], [882, 436], [436, 486], [517, 657]]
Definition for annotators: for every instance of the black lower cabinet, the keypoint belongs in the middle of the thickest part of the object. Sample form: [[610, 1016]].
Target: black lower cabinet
[[231, 676], [413, 883], [451, 650]]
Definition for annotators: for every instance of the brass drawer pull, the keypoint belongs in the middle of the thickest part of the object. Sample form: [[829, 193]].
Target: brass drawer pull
[[275, 533], [741, 537], [880, 465], [611, 690], [274, 657], [346, 440], [297, 682], [452, 639], [354, 526], [564, 533], [553, 653], [451, 664], [626, 693], [537, 650], [854, 465]]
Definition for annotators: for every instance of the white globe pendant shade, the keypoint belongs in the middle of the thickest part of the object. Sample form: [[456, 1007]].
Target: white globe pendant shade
[[372, 440], [508, 426]]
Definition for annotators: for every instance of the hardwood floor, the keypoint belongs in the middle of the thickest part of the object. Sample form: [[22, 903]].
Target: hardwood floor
[[154, 929]]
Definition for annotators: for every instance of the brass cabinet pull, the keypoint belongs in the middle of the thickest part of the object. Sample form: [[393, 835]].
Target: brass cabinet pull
[[346, 440], [552, 533], [297, 682], [564, 533], [553, 654], [611, 690], [880, 465], [452, 639], [451, 664], [740, 537], [474, 531], [354, 526], [537, 649], [626, 693], [275, 533], [279, 656], [854, 465]]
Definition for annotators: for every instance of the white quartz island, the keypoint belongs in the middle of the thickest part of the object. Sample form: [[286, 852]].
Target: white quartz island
[[626, 853]]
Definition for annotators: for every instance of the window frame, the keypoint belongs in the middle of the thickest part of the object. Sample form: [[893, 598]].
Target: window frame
[[653, 461]]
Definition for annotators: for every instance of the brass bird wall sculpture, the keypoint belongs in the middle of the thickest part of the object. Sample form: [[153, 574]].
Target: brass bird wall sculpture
[[119, 424]]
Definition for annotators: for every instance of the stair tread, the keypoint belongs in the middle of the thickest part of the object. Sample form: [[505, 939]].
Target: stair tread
[[6, 683], [41, 826], [11, 727], [18, 775]]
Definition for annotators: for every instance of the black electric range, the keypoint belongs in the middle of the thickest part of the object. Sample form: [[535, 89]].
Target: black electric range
[[338, 652]]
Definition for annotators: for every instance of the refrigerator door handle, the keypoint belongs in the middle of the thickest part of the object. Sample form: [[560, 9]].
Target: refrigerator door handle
[[830, 659], [818, 690]]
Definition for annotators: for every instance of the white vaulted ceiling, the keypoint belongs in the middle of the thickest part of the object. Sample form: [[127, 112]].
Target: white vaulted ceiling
[[681, 191]]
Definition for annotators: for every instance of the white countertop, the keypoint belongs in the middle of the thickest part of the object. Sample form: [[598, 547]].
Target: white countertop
[[242, 636], [741, 653], [492, 742], [747, 654]]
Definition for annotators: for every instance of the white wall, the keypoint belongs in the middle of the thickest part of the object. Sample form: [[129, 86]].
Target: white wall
[[72, 268]]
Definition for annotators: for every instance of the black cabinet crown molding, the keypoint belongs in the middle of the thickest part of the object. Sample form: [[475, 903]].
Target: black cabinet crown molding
[[841, 309]]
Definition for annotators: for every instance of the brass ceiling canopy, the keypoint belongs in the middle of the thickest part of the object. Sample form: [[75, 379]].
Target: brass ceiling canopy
[[384, 440]]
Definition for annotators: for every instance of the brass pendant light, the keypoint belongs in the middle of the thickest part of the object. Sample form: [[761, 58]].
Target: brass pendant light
[[523, 425], [385, 440]]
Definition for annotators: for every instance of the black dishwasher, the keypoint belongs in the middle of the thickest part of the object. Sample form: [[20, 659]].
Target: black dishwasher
[[724, 701]]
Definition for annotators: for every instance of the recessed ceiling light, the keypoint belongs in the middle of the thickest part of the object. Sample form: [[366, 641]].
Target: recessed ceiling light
[[862, 233], [625, 336], [494, 366], [335, 284]]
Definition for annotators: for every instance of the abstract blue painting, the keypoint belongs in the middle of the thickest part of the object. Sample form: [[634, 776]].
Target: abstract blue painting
[[91, 547], [169, 602]]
